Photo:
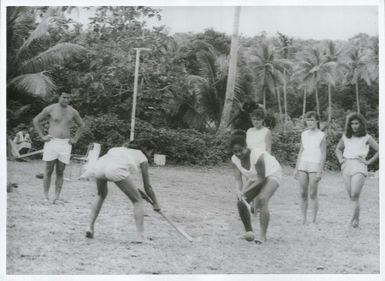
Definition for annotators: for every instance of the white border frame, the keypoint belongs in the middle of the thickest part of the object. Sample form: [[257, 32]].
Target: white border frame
[[222, 277]]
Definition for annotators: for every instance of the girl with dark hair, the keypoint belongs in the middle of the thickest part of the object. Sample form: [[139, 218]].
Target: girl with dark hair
[[263, 174], [351, 151], [310, 163], [258, 136], [117, 166], [242, 121]]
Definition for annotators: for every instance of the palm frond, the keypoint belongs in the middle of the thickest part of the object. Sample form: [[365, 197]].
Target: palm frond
[[40, 31], [55, 55], [37, 84]]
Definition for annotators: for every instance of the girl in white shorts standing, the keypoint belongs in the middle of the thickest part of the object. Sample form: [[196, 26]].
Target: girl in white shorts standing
[[351, 151], [263, 174], [117, 166], [310, 163]]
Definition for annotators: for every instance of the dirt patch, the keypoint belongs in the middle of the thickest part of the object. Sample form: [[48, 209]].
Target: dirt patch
[[51, 239]]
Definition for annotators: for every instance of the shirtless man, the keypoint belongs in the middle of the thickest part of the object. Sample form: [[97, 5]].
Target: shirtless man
[[58, 142]]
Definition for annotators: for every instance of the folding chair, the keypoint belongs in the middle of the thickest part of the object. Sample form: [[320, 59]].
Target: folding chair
[[83, 166]]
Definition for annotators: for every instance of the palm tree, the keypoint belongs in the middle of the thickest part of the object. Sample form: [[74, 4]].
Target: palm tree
[[28, 65], [331, 65], [202, 105], [231, 79], [314, 68], [357, 67]]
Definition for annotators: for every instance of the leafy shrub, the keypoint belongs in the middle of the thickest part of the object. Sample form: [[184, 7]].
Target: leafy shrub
[[182, 146]]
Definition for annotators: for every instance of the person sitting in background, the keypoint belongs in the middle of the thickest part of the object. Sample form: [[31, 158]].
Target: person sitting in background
[[23, 140]]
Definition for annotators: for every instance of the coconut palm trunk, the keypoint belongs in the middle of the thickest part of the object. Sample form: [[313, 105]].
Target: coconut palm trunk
[[279, 105], [317, 101], [264, 98], [330, 103], [357, 98], [226, 112], [285, 97], [304, 102]]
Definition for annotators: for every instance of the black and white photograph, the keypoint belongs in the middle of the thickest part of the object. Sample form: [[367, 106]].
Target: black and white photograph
[[236, 139]]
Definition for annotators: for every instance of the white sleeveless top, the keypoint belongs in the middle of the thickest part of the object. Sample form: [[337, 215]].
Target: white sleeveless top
[[356, 146], [123, 157], [271, 164], [256, 138], [311, 142]]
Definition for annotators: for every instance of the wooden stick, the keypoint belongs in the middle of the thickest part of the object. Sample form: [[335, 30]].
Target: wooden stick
[[181, 231], [29, 154]]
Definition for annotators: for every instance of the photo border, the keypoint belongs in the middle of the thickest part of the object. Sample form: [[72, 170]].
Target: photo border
[[200, 277]]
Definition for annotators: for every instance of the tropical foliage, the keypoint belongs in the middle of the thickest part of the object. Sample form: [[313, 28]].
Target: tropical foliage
[[182, 79]]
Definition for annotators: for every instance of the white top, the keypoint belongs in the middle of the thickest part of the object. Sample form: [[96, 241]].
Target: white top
[[271, 164], [256, 138], [356, 147], [125, 157], [311, 142]]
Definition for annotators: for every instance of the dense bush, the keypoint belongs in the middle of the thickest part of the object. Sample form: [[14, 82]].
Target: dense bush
[[191, 147], [183, 146]]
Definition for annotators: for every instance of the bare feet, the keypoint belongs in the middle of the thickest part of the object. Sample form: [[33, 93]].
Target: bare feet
[[248, 236], [90, 233], [46, 201], [58, 201], [355, 223]]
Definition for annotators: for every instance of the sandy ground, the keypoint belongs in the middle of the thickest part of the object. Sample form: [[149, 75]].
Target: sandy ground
[[51, 239]]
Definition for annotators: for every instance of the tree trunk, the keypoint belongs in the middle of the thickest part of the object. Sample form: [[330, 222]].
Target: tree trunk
[[304, 102], [317, 101], [330, 103], [264, 98], [279, 105], [357, 98], [285, 97], [228, 104]]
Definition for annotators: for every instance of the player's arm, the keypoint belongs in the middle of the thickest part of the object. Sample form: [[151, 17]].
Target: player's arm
[[339, 151], [238, 181], [44, 114], [323, 157], [374, 145], [268, 141], [147, 186], [296, 163], [79, 121]]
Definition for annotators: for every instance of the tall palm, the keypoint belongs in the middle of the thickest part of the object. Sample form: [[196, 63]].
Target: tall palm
[[332, 66], [357, 66], [286, 43], [28, 65], [268, 69], [202, 105], [231, 78], [313, 68]]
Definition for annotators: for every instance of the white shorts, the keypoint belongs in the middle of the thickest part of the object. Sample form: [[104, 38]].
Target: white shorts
[[104, 168], [57, 149], [308, 167], [354, 166]]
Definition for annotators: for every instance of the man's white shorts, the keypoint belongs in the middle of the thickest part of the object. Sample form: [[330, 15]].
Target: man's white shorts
[[57, 149]]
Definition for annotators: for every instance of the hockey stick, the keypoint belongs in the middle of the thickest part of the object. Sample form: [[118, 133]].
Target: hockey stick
[[181, 231], [29, 154]]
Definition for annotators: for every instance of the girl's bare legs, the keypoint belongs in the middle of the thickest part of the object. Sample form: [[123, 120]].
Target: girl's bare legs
[[102, 194], [263, 202], [313, 189], [128, 188], [303, 179], [357, 182]]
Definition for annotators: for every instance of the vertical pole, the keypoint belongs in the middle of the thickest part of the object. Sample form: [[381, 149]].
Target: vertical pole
[[135, 95]]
